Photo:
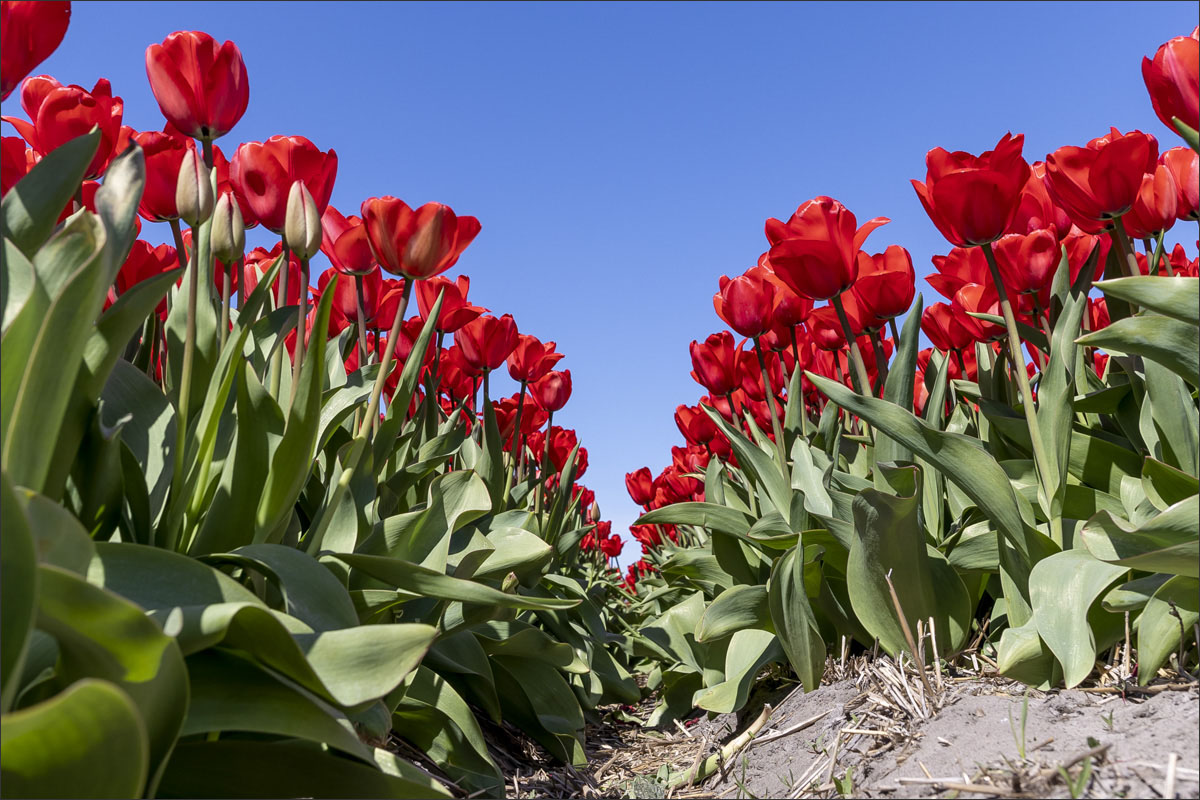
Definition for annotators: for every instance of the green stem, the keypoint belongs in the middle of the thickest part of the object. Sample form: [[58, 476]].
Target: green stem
[[800, 385], [1041, 461], [862, 383], [386, 362], [773, 407], [1159, 249], [226, 291], [240, 266], [360, 308], [881, 365], [301, 328], [512, 450], [544, 466], [280, 302]]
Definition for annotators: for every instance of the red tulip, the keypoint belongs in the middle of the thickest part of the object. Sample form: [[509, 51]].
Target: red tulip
[[562, 442], [345, 294], [695, 424], [143, 262], [60, 113], [224, 185], [552, 391], [826, 330], [974, 298], [532, 417], [256, 264], [1036, 209], [419, 244], [345, 244], [262, 173], [486, 341], [790, 309], [403, 346], [1171, 78], [456, 376], [1184, 164], [31, 31], [1098, 183], [973, 199], [714, 363], [612, 546], [390, 294], [1079, 246], [886, 283], [1185, 267], [640, 485], [456, 311], [1098, 318], [1155, 206], [201, 87], [962, 266], [14, 163], [944, 328], [815, 251], [531, 359], [164, 154], [745, 303], [1027, 262]]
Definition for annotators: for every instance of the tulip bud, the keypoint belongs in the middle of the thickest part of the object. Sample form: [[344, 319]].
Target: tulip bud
[[228, 230], [193, 191], [302, 224], [509, 584], [594, 512]]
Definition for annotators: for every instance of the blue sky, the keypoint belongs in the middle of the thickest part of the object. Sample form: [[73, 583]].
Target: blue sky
[[621, 157]]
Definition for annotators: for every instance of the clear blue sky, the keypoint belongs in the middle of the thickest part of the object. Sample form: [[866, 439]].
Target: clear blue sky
[[621, 157]]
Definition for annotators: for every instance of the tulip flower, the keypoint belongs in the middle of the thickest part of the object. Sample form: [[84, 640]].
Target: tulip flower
[[344, 243], [224, 184], [886, 283], [164, 156], [815, 252], [714, 363], [972, 199], [557, 445], [1036, 209], [944, 328], [1027, 262], [262, 173], [531, 359], [745, 303], [1098, 183], [456, 311], [29, 33], [417, 244], [1172, 80], [201, 87], [552, 391], [486, 341], [974, 298], [143, 262], [58, 114], [640, 485], [256, 264], [694, 424], [14, 164], [1155, 206], [961, 266], [1184, 164], [1080, 246]]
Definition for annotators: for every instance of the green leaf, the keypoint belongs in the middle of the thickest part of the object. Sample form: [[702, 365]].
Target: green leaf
[[748, 651], [150, 430], [1171, 614], [234, 769], [793, 619], [1168, 542], [18, 590], [735, 608], [453, 500], [1024, 657], [761, 468], [31, 207], [1177, 297], [1168, 341], [901, 380], [540, 701], [705, 515], [117, 202], [1063, 588], [88, 741], [59, 539], [1174, 415]]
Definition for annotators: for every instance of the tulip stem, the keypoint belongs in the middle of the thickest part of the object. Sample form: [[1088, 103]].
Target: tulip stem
[[177, 234], [206, 147], [372, 416], [773, 407], [1159, 249], [185, 381], [881, 365], [862, 383], [1127, 254], [796, 366], [544, 466], [301, 328], [240, 266], [1018, 367], [895, 332], [512, 450], [280, 302], [226, 291], [360, 307]]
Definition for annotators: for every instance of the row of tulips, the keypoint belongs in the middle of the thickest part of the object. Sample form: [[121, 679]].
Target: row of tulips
[[254, 528], [1027, 485]]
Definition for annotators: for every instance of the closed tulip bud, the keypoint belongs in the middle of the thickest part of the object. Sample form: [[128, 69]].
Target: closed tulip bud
[[193, 191], [594, 512], [228, 230], [302, 225]]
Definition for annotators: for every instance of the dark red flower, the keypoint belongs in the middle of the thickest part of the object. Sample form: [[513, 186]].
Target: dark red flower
[[640, 485], [262, 174], [552, 390], [1172, 80], [1184, 164], [531, 359], [1098, 183], [977, 299], [420, 243], [29, 33], [825, 329], [58, 114], [1036, 209], [344, 243], [944, 328], [201, 87], [1079, 247], [816, 251], [695, 424], [973, 199], [714, 363], [143, 262], [962, 266], [164, 154], [886, 283], [256, 264], [744, 303], [456, 311], [486, 341], [1027, 261], [14, 163]]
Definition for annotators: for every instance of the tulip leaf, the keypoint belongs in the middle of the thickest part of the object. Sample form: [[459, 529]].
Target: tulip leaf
[[735, 608], [1168, 542], [88, 741], [749, 650], [1170, 614], [18, 590], [31, 208], [793, 619], [901, 380], [1170, 342], [1177, 297]]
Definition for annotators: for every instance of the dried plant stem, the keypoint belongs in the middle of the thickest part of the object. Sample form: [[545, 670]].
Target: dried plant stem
[[908, 636], [703, 770]]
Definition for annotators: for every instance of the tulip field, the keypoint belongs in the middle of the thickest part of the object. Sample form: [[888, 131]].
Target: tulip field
[[273, 532]]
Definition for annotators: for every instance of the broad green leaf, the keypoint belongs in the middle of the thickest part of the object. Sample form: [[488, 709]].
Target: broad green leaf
[[1168, 341], [18, 283], [901, 379], [1169, 542], [1177, 297], [1171, 615], [540, 701], [705, 515], [423, 536], [32, 206], [1174, 414], [762, 469], [1024, 657], [88, 741], [18, 590], [793, 619], [236, 768], [1063, 588], [117, 202], [1134, 595], [150, 430], [515, 550], [749, 650], [521, 640], [735, 608], [59, 539], [1165, 485]]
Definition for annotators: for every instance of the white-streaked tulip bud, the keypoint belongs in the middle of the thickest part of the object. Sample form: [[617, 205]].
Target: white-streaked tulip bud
[[193, 191], [302, 225], [228, 230]]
